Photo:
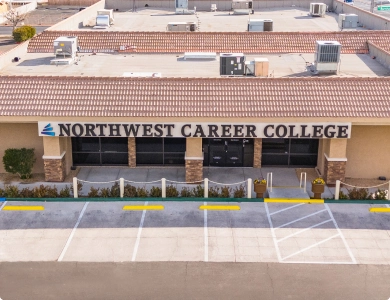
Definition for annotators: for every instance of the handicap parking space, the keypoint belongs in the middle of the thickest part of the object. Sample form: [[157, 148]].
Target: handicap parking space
[[36, 235], [105, 233], [240, 235]]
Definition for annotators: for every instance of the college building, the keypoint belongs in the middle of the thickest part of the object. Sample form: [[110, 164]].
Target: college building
[[132, 98]]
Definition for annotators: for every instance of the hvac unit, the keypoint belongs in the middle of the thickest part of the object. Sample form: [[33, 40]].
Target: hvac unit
[[102, 22], [181, 26], [181, 8], [255, 25], [232, 64], [65, 48], [268, 25], [107, 12], [242, 7], [318, 9], [348, 21], [327, 56]]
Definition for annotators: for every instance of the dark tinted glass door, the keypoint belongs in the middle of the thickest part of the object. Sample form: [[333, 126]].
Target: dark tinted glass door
[[228, 152]]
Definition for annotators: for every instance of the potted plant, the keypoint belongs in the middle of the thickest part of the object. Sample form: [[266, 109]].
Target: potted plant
[[318, 187], [260, 185]]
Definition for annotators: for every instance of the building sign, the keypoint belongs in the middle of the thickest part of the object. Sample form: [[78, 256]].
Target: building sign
[[200, 130]]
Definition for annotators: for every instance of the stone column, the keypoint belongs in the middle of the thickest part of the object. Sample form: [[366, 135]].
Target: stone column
[[54, 159], [257, 148], [132, 152], [335, 161], [194, 160]]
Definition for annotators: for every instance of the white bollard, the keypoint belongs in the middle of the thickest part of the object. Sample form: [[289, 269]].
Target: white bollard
[[337, 190], [388, 192], [163, 187], [249, 188], [121, 187], [206, 187], [75, 190]]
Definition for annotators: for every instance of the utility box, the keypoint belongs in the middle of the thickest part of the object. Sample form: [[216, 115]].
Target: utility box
[[241, 7], [318, 9], [260, 25], [181, 26], [107, 12], [232, 64], [348, 21], [261, 67], [65, 48]]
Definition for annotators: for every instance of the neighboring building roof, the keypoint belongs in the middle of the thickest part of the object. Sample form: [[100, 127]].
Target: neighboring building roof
[[178, 42], [194, 97]]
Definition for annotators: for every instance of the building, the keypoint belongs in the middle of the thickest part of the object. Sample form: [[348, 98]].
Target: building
[[129, 98]]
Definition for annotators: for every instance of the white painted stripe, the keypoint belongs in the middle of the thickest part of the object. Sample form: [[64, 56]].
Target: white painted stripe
[[387, 204], [273, 232], [287, 208], [73, 232], [303, 230], [206, 235], [311, 246], [341, 234], [318, 262], [139, 233], [305, 217], [1, 207]]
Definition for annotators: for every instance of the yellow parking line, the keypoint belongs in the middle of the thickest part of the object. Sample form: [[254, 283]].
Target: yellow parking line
[[143, 207], [20, 207], [220, 207], [288, 200], [379, 210]]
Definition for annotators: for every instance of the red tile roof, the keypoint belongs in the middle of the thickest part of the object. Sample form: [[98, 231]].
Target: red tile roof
[[194, 97], [247, 42]]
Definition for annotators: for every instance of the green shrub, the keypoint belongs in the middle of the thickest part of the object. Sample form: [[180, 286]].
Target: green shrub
[[39, 192], [65, 192], [93, 193], [26, 193], [343, 196], [155, 192], [23, 33], [185, 192], [359, 194], [225, 192], [172, 191], [239, 191], [115, 190], [380, 195], [213, 192], [198, 191], [142, 192], [19, 161], [130, 191], [105, 192], [2, 193], [51, 192], [11, 191]]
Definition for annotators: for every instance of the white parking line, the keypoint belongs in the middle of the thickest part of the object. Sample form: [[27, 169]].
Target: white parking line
[[273, 233], [1, 207], [341, 234], [73, 232], [206, 236], [311, 246], [305, 217], [303, 230], [139, 233], [287, 208]]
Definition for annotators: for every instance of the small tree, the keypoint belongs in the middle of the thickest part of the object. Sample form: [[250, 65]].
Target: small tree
[[23, 33], [14, 17], [19, 161]]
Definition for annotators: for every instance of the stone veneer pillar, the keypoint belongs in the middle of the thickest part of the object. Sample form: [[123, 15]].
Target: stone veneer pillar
[[334, 169], [257, 148], [132, 152], [54, 169], [194, 160]]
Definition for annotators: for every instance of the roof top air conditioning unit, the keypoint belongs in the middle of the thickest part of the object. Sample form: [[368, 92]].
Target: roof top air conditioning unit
[[255, 25], [327, 57], [348, 21], [181, 8], [242, 7], [318, 9], [65, 48], [232, 64], [268, 25], [181, 26], [107, 12]]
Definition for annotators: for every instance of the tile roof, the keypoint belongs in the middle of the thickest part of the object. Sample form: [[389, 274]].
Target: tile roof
[[247, 42], [194, 97]]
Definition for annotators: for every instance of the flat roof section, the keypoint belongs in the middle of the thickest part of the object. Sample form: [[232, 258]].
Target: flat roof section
[[173, 65], [284, 19]]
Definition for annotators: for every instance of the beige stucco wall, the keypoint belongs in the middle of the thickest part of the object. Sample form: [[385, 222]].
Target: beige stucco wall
[[21, 136], [368, 152], [194, 147], [321, 157]]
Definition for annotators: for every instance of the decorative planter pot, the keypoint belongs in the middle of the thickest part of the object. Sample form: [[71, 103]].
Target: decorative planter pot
[[317, 189], [260, 189]]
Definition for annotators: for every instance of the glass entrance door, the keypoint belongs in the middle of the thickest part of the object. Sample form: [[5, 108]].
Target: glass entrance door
[[94, 151], [290, 152]]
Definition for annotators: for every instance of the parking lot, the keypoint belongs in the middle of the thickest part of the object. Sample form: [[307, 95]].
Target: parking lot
[[181, 231]]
